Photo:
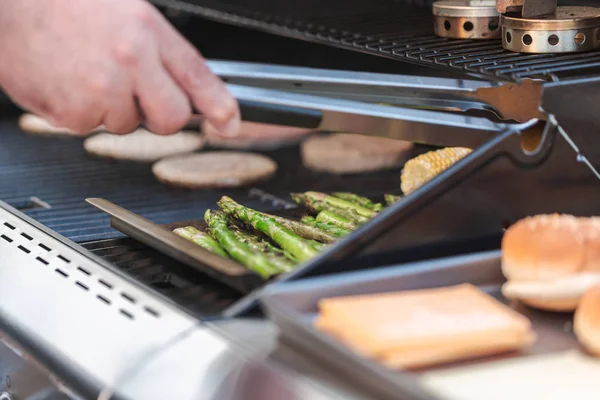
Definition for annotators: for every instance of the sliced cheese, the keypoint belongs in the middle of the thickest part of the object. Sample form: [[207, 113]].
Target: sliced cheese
[[424, 323]]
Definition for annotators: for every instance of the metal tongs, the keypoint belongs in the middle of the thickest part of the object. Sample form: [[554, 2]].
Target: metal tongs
[[417, 109]]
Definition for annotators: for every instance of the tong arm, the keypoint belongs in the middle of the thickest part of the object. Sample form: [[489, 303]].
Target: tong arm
[[519, 102], [527, 8], [339, 115]]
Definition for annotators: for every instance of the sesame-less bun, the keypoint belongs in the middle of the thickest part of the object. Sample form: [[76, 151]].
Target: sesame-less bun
[[587, 321], [551, 260]]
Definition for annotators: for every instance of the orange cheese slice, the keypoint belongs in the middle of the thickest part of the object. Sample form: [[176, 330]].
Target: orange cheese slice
[[431, 324]]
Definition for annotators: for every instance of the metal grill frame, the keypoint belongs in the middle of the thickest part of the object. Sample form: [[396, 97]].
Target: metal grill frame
[[482, 59]]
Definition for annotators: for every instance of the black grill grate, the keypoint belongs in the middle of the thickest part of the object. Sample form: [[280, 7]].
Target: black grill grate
[[391, 28], [59, 173], [49, 179], [193, 291]]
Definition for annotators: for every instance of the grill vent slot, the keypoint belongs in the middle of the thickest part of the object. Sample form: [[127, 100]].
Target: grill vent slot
[[66, 267]]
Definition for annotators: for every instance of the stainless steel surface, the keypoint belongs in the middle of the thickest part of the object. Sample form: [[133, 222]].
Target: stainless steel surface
[[293, 306], [104, 336], [25, 379], [419, 126], [527, 8], [180, 249], [213, 368], [402, 90], [569, 29]]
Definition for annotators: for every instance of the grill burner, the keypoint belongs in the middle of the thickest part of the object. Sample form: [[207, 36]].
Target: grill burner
[[457, 20], [570, 29], [396, 29]]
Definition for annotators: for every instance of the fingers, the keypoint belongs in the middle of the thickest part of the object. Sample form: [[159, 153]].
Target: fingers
[[123, 116], [206, 91], [164, 105]]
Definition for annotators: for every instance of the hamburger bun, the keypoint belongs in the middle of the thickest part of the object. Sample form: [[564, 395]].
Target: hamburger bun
[[551, 260], [587, 320], [351, 154]]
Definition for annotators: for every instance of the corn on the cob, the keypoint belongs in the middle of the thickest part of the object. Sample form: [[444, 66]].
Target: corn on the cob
[[425, 167]]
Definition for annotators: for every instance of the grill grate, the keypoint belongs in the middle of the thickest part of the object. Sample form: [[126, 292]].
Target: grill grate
[[40, 172], [193, 291], [391, 28], [49, 179]]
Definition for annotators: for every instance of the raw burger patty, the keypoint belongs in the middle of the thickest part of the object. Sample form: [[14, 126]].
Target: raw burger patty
[[256, 136], [214, 169], [142, 145], [349, 153], [33, 124]]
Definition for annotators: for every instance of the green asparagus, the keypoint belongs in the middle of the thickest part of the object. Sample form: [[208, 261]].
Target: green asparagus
[[326, 226], [303, 230], [340, 203], [240, 251], [187, 232], [202, 239], [318, 206], [297, 246], [360, 200], [342, 222], [391, 199], [275, 255]]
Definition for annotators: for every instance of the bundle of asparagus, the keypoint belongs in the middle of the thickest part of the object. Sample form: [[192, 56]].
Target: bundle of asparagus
[[269, 244]]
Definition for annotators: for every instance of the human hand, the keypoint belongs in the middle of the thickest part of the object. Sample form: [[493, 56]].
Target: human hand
[[116, 63]]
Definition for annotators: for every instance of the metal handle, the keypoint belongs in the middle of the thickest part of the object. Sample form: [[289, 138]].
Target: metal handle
[[278, 114], [515, 101]]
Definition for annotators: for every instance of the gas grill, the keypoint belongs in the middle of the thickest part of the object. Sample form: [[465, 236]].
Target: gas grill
[[113, 317]]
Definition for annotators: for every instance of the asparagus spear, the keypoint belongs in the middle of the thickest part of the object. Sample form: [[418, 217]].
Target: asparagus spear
[[391, 199], [342, 222], [240, 251], [276, 256], [187, 232], [303, 230], [317, 245], [318, 206], [297, 246], [340, 203], [360, 200], [254, 240], [202, 239], [326, 226]]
